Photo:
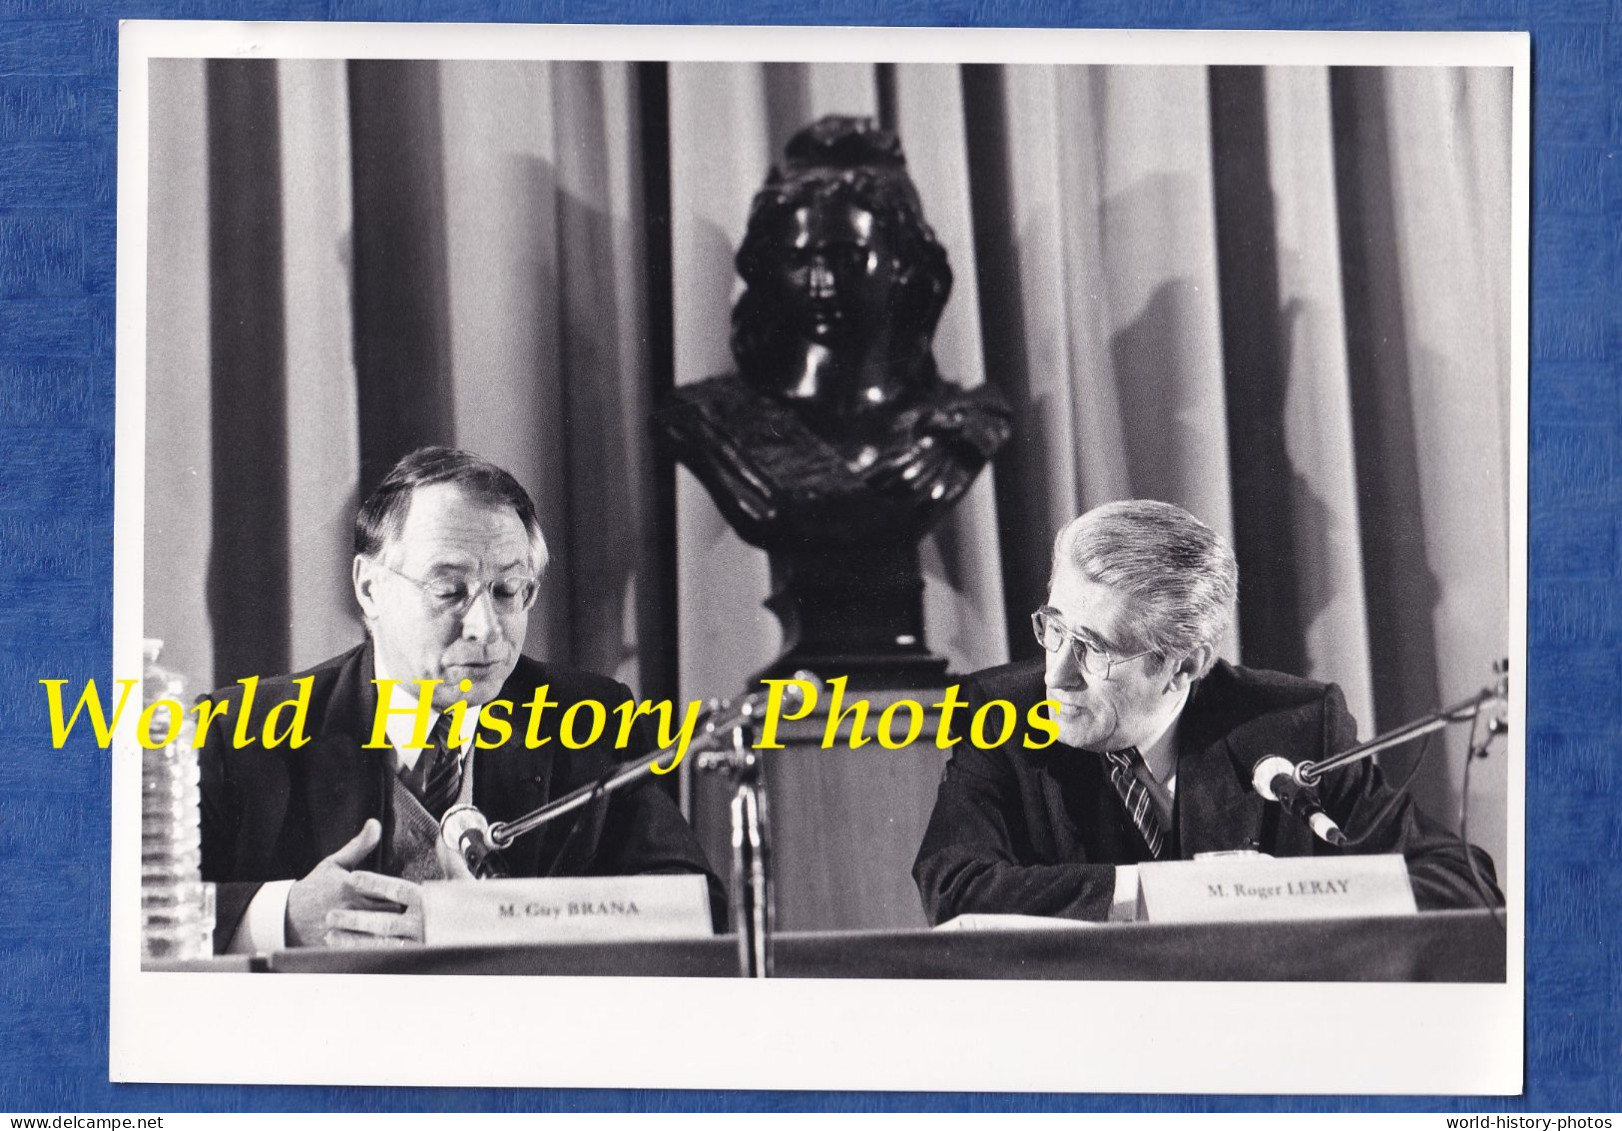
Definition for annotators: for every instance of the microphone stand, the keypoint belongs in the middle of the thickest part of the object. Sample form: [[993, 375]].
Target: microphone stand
[[1464, 711], [753, 911]]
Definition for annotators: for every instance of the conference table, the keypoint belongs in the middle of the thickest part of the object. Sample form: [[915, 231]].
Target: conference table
[[1438, 946]]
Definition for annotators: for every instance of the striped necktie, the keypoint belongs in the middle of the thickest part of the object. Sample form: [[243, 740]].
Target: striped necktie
[[442, 780], [1134, 795]]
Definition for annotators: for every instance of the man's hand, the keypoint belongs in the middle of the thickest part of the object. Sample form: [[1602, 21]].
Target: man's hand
[[337, 906]]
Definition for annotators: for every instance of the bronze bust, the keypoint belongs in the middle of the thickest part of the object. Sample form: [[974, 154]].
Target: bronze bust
[[838, 445]]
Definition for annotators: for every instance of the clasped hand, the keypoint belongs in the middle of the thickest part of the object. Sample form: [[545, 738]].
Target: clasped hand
[[339, 905]]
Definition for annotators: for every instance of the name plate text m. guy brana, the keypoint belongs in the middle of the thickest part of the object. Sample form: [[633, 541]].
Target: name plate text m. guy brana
[[1251, 888], [571, 909]]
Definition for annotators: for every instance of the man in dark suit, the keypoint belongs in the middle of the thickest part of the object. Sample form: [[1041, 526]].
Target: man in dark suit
[[327, 843], [1157, 741]]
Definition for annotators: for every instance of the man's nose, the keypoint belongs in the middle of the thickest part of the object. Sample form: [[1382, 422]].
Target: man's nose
[[1062, 669], [480, 622]]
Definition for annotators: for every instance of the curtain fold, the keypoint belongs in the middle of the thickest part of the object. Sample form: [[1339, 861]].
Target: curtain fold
[[548, 363], [179, 405], [1275, 296], [722, 142], [1316, 535], [323, 431], [247, 581], [963, 582]]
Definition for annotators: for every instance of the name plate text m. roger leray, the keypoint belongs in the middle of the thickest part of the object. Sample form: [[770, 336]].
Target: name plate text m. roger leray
[[1250, 888], [569, 909]]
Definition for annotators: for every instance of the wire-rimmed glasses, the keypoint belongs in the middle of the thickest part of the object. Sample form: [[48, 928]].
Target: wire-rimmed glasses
[[452, 595], [1094, 660]]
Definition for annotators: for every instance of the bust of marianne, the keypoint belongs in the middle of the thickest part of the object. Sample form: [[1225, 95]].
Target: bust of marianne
[[837, 428]]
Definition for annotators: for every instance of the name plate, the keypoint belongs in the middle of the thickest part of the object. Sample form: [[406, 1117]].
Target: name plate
[[1253, 888], [568, 909]]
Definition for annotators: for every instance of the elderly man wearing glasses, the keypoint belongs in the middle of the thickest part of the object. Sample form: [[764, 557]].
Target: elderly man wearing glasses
[[327, 843], [1157, 742]]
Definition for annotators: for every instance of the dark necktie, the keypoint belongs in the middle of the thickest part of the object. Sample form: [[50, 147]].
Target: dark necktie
[[1123, 766], [442, 778]]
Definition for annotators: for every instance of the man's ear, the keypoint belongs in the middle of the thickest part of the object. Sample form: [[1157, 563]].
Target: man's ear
[[1189, 668], [364, 577]]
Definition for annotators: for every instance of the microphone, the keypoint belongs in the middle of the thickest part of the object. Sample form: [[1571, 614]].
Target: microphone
[[466, 831], [1275, 779]]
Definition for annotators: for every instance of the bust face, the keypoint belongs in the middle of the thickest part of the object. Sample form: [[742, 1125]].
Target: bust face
[[832, 274]]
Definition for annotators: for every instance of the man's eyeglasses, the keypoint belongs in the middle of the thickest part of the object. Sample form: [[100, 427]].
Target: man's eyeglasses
[[1052, 633], [449, 596]]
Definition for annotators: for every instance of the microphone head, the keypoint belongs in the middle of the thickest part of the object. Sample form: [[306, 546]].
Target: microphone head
[[466, 831], [1264, 773]]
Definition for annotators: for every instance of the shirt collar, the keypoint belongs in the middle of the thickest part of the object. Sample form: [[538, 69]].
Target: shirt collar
[[400, 726]]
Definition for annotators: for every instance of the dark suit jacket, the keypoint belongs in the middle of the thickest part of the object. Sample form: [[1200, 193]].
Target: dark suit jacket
[[1040, 832], [274, 814]]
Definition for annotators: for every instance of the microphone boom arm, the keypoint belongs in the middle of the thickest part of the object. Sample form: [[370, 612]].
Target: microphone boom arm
[[1310, 773], [503, 833]]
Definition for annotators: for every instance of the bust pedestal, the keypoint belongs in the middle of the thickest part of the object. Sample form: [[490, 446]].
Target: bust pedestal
[[846, 824], [856, 614]]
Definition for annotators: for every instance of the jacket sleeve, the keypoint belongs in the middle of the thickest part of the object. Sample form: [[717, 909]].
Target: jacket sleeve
[[973, 857], [1378, 819]]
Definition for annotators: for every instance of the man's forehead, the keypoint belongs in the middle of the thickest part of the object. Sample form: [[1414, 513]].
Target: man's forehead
[[444, 520], [1090, 607]]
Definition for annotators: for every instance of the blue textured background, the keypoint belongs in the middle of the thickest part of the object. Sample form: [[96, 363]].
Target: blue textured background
[[58, 109]]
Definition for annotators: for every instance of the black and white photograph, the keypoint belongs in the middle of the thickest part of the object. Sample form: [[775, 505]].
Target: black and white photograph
[[745, 537]]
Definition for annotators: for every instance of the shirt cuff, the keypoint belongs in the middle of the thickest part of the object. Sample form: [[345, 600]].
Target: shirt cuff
[[1124, 908], [264, 925]]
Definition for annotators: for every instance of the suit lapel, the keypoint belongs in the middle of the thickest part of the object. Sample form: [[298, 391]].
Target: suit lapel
[[343, 781], [511, 780], [1217, 809]]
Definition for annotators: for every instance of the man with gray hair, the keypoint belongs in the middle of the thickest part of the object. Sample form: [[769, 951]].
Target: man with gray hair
[[1157, 740]]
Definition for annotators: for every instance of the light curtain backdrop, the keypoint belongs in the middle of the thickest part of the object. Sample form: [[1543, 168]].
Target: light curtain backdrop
[[1278, 297]]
